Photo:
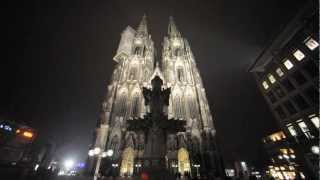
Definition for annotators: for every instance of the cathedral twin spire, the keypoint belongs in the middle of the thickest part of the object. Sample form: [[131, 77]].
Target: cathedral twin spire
[[143, 28], [173, 31]]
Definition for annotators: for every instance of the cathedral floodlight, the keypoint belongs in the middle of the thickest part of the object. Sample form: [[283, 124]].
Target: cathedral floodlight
[[138, 41], [68, 164], [176, 42]]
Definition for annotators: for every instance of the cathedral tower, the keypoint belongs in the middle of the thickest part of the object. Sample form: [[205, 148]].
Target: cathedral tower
[[188, 102], [185, 124]]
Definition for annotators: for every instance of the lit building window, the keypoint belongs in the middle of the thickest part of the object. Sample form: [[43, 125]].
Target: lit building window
[[271, 78], [278, 136], [265, 85], [311, 43], [288, 64], [291, 150], [315, 120], [298, 55], [284, 151], [292, 130], [304, 128], [279, 72], [291, 168]]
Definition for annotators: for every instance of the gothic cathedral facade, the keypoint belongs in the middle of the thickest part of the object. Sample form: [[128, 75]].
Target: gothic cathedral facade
[[193, 150]]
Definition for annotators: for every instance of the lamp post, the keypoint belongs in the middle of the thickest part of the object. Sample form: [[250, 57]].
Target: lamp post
[[174, 167], [197, 167], [114, 165], [97, 152], [138, 165]]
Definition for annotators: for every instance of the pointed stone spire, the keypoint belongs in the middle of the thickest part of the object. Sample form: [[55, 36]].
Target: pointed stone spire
[[172, 28], [143, 28]]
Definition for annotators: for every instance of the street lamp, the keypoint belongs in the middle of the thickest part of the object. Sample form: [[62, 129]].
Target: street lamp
[[91, 153], [138, 165], [104, 154], [97, 152], [197, 167], [109, 153], [315, 149], [174, 166]]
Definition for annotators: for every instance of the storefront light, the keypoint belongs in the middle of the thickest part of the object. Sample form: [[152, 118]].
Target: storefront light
[[286, 156]]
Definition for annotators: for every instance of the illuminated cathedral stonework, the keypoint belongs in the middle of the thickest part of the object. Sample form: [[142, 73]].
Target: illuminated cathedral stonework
[[190, 150]]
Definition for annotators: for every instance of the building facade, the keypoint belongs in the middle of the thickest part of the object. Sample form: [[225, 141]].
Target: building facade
[[16, 143], [287, 75], [192, 150]]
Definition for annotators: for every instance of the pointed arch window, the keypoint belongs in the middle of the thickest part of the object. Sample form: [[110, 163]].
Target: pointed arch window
[[122, 104], [139, 50], [179, 107], [135, 105], [192, 107], [177, 52], [145, 75], [180, 74], [115, 75], [114, 143], [133, 73]]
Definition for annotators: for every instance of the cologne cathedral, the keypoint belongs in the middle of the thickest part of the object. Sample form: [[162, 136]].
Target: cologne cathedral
[[155, 117]]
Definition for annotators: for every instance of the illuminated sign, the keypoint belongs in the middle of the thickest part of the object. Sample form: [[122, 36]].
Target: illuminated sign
[[28, 134]]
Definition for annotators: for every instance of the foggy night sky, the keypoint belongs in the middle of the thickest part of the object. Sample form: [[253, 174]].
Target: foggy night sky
[[60, 62]]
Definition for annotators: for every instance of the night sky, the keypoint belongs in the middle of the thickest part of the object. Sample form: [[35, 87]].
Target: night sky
[[60, 62]]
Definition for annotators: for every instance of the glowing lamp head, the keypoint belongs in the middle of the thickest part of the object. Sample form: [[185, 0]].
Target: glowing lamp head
[[91, 152], [104, 154], [68, 164], [96, 150], [315, 149], [110, 152]]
